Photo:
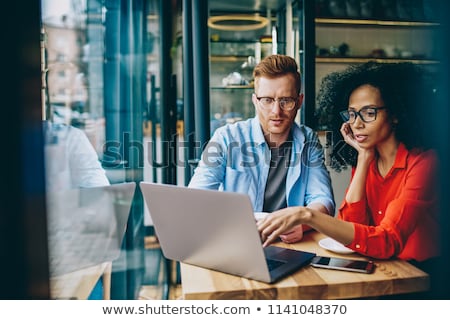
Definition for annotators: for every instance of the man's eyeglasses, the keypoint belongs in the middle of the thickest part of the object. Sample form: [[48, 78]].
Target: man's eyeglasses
[[367, 114], [287, 103]]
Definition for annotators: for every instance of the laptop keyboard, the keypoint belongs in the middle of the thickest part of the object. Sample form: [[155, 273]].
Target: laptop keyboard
[[272, 264]]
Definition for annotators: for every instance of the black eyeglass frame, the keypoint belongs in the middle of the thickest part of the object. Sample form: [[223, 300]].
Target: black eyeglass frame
[[346, 114], [280, 101]]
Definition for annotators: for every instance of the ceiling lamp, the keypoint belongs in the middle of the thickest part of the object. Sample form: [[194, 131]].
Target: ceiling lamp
[[237, 22]]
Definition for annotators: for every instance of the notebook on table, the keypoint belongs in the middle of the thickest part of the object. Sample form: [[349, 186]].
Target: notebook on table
[[216, 230]]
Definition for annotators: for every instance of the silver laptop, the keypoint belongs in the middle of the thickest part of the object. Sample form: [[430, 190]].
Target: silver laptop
[[216, 230], [86, 226]]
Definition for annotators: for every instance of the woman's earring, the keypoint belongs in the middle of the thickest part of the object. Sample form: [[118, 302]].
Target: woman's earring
[[394, 123]]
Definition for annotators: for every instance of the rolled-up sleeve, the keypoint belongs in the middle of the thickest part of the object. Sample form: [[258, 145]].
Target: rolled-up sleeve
[[210, 172], [399, 216], [354, 212], [318, 186]]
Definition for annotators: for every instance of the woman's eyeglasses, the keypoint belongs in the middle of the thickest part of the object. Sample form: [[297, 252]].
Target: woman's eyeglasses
[[367, 114], [287, 103]]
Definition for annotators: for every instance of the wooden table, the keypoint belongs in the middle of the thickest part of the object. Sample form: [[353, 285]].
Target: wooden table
[[390, 277], [79, 284]]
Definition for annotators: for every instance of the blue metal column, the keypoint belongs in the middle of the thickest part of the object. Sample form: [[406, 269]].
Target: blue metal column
[[167, 95], [111, 77], [188, 91], [125, 90], [200, 42], [309, 63]]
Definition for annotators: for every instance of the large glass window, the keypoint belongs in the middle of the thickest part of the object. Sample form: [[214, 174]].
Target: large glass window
[[94, 97], [114, 105]]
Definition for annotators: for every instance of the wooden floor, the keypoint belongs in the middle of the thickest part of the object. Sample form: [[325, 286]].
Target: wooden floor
[[155, 292]]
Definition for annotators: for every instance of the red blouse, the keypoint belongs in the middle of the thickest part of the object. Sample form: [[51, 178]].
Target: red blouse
[[399, 216]]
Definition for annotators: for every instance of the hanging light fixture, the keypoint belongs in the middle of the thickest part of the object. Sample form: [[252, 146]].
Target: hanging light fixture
[[237, 22]]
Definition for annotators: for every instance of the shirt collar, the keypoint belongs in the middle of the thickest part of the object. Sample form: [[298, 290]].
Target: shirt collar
[[259, 135], [257, 131], [401, 156]]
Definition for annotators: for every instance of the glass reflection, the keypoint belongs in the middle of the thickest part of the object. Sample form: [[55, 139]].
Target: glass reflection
[[86, 226]]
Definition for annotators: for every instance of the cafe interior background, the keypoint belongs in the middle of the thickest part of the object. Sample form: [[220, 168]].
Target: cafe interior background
[[149, 74]]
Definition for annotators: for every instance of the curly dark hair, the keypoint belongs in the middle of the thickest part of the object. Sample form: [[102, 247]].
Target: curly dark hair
[[406, 89]]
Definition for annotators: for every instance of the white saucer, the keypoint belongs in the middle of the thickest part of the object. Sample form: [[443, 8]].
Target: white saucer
[[333, 245]]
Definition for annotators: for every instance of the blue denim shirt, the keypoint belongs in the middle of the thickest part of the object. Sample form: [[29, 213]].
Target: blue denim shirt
[[237, 159]]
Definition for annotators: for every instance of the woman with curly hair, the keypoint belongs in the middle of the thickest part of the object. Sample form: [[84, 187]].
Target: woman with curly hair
[[390, 207]]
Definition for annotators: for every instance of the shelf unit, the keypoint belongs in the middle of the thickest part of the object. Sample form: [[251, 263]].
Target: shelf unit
[[343, 21], [218, 58], [350, 60], [362, 36], [231, 78], [236, 46], [384, 41], [396, 35]]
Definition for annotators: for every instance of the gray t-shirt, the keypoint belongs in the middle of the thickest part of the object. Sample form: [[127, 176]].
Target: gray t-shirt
[[275, 193]]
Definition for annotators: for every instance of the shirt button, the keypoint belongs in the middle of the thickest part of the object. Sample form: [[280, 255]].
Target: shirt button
[[358, 246], [379, 212]]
